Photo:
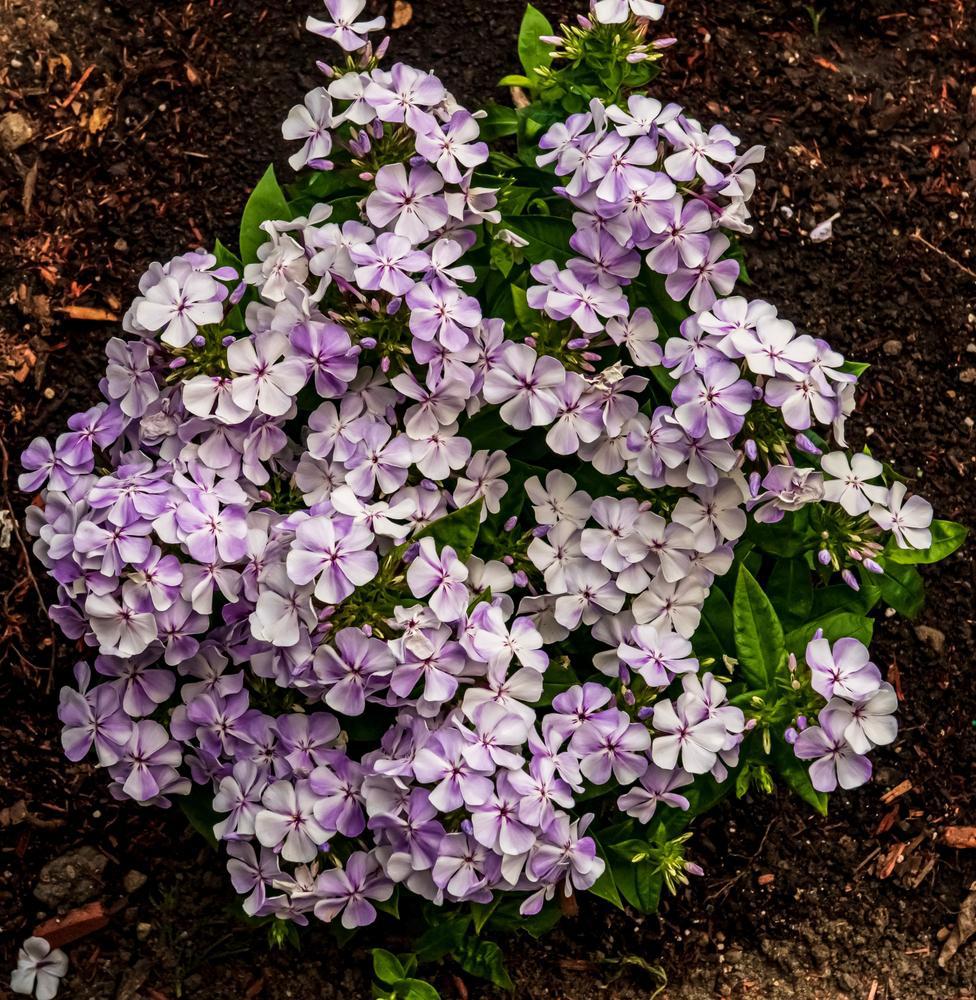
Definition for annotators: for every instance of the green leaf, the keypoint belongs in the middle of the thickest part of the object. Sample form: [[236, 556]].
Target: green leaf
[[441, 938], [198, 809], [531, 51], [267, 201], [415, 989], [901, 588], [836, 625], [481, 913], [485, 960], [714, 636], [786, 538], [514, 80], [548, 236], [796, 774], [947, 536], [459, 529], [499, 122], [639, 883], [387, 967], [758, 633], [526, 316], [605, 886], [226, 258], [856, 368], [790, 588]]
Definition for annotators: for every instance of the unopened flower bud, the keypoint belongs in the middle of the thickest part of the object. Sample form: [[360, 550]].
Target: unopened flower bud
[[824, 557], [755, 484], [521, 579], [806, 445], [872, 567], [510, 523], [752, 452]]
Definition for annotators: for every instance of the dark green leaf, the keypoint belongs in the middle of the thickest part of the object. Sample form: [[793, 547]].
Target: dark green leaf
[[267, 201], [225, 258], [415, 989], [947, 536], [483, 959], [605, 887], [790, 588], [796, 774], [638, 882], [758, 633], [198, 809], [498, 122], [548, 236], [836, 625], [901, 588], [459, 529], [714, 636], [441, 938]]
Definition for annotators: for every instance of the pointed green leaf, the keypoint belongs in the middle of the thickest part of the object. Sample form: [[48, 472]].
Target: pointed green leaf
[[796, 774], [901, 588], [533, 52], [604, 886], [758, 633], [947, 536], [837, 625], [267, 201], [485, 960], [387, 967], [459, 529], [790, 588]]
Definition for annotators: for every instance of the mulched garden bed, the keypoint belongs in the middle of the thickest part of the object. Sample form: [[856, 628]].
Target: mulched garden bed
[[130, 131]]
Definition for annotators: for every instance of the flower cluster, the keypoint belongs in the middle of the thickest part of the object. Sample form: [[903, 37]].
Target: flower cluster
[[394, 539]]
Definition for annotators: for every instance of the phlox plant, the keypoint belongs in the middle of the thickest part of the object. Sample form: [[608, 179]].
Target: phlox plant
[[468, 532]]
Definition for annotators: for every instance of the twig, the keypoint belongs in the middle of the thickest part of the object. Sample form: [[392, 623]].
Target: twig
[[919, 238], [76, 89]]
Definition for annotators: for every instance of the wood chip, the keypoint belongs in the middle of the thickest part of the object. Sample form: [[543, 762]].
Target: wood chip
[[960, 836], [30, 186], [897, 792], [91, 314], [74, 925], [964, 929], [767, 878], [402, 14]]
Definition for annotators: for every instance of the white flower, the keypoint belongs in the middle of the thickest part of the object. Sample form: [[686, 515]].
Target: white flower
[[851, 486], [40, 969], [908, 522]]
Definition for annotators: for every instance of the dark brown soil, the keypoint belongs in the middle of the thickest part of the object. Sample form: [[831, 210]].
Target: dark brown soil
[[872, 117]]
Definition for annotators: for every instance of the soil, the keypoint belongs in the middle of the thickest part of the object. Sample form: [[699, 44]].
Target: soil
[[146, 124]]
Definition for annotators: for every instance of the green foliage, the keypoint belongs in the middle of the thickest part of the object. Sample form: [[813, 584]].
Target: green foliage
[[267, 201], [900, 587], [947, 536], [198, 808], [758, 633], [459, 529], [533, 52]]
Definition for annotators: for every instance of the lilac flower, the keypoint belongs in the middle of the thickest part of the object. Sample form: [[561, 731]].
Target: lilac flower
[[46, 466], [579, 417], [333, 551], [400, 95], [867, 722], [286, 824], [338, 786], [343, 28], [638, 334], [656, 786], [559, 500], [908, 521], [787, 488], [612, 745], [835, 762], [349, 890], [412, 203], [452, 147], [657, 656], [93, 719], [496, 824], [771, 347], [148, 761], [523, 383], [695, 150], [263, 378], [433, 658], [380, 459], [97, 427], [483, 479], [387, 263], [119, 628], [584, 301], [462, 868], [311, 123], [249, 875], [716, 401], [239, 795], [442, 762], [563, 852], [327, 353], [844, 671], [444, 314], [690, 732], [128, 376], [40, 969], [180, 303], [680, 238], [352, 668], [442, 576], [712, 277]]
